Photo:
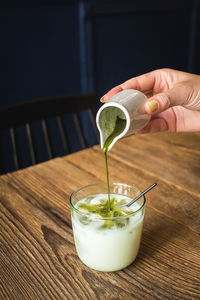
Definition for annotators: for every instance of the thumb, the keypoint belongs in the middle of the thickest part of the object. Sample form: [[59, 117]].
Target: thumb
[[178, 95]]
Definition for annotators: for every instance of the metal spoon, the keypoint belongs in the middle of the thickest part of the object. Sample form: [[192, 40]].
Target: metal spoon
[[140, 195]]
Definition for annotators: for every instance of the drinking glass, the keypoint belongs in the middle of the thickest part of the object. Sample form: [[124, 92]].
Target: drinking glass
[[102, 247]]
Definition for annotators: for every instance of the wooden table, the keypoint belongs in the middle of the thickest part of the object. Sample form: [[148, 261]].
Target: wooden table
[[38, 259]]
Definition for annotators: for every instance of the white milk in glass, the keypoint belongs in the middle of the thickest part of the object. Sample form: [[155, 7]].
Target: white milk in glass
[[107, 244]]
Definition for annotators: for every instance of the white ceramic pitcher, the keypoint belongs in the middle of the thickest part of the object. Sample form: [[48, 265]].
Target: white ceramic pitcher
[[127, 104]]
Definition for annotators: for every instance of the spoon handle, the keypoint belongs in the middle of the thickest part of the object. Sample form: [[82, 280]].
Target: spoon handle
[[140, 195]]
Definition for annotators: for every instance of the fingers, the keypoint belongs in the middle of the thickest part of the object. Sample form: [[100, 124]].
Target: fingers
[[165, 121], [178, 119], [180, 94], [163, 89], [158, 103], [111, 93], [143, 83], [154, 126]]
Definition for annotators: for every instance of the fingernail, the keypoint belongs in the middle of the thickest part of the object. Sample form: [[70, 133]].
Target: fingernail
[[101, 100], [152, 105]]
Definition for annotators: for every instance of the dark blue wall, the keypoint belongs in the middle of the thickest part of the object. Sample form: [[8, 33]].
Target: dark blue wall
[[56, 47], [39, 50], [133, 37], [50, 48]]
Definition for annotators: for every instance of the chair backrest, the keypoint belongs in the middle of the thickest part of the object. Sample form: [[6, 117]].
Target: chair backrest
[[61, 125]]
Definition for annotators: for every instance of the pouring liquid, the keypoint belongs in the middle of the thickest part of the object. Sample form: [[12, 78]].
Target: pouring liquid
[[119, 128], [109, 208]]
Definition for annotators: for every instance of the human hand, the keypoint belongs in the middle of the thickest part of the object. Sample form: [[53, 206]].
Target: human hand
[[173, 99]]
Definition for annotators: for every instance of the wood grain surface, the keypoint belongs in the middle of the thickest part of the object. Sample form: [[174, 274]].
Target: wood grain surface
[[38, 259]]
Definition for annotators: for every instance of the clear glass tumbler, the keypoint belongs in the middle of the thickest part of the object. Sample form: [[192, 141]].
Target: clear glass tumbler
[[107, 243]]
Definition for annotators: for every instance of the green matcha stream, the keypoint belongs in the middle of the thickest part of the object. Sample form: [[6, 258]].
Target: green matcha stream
[[109, 208], [119, 128]]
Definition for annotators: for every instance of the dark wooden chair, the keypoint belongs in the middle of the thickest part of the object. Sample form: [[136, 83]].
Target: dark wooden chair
[[59, 126]]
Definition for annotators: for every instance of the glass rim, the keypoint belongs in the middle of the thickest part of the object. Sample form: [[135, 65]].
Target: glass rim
[[106, 218]]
